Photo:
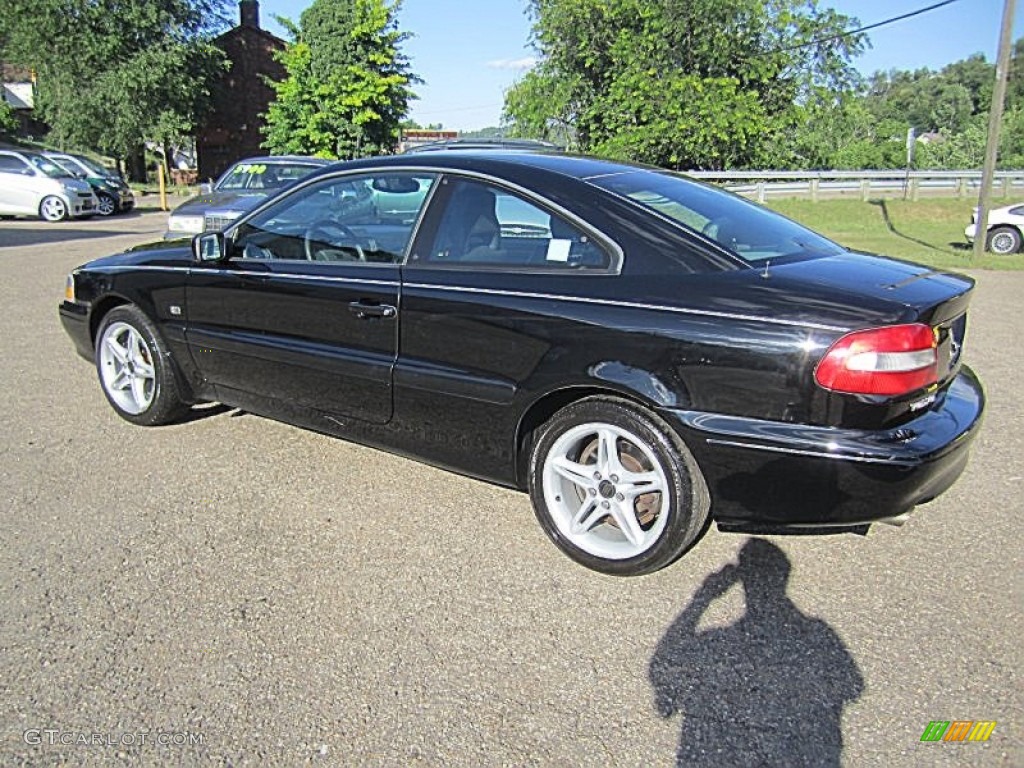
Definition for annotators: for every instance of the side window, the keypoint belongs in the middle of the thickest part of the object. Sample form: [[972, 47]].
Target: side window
[[12, 164], [483, 224], [365, 218]]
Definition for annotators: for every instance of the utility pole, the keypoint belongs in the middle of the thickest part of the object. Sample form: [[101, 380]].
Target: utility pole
[[995, 117]]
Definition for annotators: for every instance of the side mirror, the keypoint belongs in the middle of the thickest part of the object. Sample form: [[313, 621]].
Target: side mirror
[[205, 188], [209, 247]]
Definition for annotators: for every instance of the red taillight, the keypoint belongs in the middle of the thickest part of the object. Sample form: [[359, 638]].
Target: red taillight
[[895, 360]]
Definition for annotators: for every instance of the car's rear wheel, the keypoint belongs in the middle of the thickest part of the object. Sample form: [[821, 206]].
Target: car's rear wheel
[[135, 370], [106, 205], [52, 208], [615, 488], [1004, 240]]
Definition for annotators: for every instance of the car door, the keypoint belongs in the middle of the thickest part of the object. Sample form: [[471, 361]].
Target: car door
[[305, 309], [18, 193], [480, 320]]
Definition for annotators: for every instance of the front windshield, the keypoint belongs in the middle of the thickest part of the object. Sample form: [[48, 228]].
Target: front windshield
[[750, 231], [70, 170], [259, 176], [94, 168], [50, 168]]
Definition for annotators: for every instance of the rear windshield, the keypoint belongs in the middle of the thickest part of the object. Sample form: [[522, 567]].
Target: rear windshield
[[750, 231]]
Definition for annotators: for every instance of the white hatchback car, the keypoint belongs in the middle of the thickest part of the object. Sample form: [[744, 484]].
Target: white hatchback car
[[33, 185], [1005, 226]]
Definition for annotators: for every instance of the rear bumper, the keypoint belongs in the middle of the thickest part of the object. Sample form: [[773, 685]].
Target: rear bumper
[[778, 475]]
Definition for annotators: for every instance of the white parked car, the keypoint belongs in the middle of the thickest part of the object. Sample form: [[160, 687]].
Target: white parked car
[[33, 185], [1005, 226]]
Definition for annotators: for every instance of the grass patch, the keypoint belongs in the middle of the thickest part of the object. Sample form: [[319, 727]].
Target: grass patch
[[929, 231]]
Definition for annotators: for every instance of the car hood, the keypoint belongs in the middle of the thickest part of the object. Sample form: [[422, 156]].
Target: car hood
[[163, 253], [76, 184], [222, 201]]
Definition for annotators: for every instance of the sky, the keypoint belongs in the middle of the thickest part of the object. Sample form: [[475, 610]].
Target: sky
[[470, 51]]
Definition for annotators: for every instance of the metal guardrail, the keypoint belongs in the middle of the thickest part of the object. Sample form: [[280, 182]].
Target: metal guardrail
[[865, 184]]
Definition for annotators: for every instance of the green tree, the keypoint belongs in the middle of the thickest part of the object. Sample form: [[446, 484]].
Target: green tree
[[8, 123], [681, 83], [348, 84], [112, 74], [929, 101]]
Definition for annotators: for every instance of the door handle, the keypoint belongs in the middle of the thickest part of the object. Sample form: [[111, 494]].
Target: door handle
[[366, 311]]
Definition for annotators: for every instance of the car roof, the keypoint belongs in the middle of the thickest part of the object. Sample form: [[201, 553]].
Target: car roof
[[22, 152], [498, 161], [494, 142], [316, 161]]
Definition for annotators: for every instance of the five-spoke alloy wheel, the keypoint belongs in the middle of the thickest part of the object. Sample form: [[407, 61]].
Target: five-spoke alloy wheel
[[134, 369], [615, 488]]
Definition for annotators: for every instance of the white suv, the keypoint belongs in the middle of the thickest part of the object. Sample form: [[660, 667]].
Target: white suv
[[32, 185]]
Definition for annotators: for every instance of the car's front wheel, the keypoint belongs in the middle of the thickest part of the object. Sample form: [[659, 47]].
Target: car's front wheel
[[615, 488], [106, 205], [135, 370], [52, 208]]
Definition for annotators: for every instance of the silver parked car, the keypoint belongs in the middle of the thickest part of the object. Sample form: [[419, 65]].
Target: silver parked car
[[242, 187], [33, 185], [112, 192]]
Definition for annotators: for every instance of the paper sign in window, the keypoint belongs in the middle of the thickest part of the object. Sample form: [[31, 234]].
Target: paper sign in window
[[558, 250]]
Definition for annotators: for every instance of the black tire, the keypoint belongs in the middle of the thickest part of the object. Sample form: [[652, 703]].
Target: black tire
[[107, 205], [161, 402], [687, 507], [1003, 240]]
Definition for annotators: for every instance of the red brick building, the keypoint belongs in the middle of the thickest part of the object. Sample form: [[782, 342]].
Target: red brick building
[[231, 131]]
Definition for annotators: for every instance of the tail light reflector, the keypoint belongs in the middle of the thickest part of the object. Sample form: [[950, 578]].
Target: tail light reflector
[[895, 360]]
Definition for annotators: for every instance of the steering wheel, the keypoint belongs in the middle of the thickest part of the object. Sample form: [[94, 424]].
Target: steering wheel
[[325, 232]]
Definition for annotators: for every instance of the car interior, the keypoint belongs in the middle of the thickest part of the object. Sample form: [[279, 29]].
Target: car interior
[[485, 225]]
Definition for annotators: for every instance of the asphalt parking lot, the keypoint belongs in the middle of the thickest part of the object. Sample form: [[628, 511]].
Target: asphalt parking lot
[[236, 591]]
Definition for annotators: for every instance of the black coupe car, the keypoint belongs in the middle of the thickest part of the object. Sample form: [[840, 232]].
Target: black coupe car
[[640, 352]]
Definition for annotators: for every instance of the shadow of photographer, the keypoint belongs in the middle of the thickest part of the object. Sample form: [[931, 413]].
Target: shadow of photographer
[[768, 689]]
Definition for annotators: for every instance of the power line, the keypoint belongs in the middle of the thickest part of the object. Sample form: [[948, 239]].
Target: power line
[[866, 27]]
